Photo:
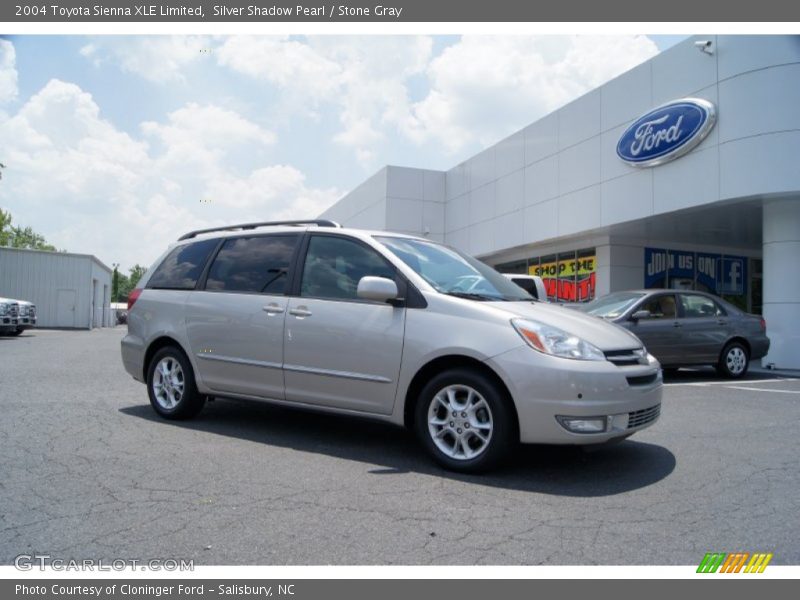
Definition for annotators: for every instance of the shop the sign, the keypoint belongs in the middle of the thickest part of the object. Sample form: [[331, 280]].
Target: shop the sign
[[568, 280], [713, 272], [667, 132]]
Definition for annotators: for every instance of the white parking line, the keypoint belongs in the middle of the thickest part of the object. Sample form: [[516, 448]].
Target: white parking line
[[752, 389], [728, 383]]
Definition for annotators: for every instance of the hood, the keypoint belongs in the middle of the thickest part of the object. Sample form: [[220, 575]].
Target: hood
[[599, 332]]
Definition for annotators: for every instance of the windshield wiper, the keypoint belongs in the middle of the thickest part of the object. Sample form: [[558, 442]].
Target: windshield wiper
[[476, 296]]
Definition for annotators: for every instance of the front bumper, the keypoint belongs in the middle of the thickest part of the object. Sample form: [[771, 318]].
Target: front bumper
[[8, 324], [26, 323], [547, 389]]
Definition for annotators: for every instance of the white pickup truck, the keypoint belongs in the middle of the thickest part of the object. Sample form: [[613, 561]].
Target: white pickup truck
[[532, 284], [27, 316], [9, 316]]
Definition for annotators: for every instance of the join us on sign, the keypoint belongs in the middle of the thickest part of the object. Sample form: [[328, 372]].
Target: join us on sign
[[667, 132]]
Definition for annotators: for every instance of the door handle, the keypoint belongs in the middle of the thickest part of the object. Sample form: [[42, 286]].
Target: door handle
[[677, 324], [722, 322], [273, 309], [300, 311]]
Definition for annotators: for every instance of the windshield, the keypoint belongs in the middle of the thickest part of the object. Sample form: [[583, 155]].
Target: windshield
[[611, 306], [451, 272]]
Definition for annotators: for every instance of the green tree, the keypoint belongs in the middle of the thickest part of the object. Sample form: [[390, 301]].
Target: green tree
[[28, 238], [136, 273], [128, 282], [5, 228], [21, 237]]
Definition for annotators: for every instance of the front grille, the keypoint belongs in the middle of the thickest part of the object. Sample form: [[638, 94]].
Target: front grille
[[638, 418], [624, 358], [642, 379]]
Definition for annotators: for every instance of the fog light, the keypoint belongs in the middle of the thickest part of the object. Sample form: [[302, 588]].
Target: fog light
[[583, 425]]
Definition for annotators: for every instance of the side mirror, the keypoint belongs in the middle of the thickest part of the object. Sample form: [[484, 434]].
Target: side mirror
[[640, 314], [378, 289]]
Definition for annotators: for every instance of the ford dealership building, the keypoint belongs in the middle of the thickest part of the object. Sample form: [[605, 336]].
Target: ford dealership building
[[683, 172]]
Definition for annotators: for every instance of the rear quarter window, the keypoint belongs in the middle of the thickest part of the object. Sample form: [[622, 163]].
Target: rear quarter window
[[182, 267]]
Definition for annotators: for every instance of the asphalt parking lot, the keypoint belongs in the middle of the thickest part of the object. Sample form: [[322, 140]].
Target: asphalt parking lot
[[88, 471]]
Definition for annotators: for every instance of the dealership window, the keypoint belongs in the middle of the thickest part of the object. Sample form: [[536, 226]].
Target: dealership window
[[519, 267], [720, 274], [567, 276]]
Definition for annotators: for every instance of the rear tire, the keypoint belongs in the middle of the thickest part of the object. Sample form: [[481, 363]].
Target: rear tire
[[734, 361], [465, 421], [171, 385]]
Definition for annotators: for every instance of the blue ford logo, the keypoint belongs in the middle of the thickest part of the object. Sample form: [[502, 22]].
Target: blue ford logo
[[667, 132]]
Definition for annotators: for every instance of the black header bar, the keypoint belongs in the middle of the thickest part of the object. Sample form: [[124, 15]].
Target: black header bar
[[395, 11]]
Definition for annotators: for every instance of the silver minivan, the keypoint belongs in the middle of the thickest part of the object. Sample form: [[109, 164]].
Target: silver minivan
[[309, 314]]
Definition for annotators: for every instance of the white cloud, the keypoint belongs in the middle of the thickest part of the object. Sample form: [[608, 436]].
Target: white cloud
[[485, 87], [474, 92], [204, 138], [159, 59], [288, 64], [89, 187], [58, 143], [279, 191], [8, 72], [365, 77]]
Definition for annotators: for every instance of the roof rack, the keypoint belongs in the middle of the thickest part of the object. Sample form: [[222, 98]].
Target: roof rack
[[244, 226]]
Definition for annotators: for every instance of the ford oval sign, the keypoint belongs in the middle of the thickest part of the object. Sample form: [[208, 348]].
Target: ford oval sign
[[667, 132]]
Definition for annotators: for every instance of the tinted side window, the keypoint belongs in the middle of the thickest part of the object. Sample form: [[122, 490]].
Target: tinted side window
[[529, 285], [183, 266], [252, 264], [335, 265], [699, 306]]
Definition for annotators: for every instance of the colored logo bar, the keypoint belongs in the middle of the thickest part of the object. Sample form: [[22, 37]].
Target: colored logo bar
[[737, 562]]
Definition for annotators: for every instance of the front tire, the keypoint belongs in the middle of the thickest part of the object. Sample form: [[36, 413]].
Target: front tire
[[171, 385], [734, 361], [464, 421], [16, 332]]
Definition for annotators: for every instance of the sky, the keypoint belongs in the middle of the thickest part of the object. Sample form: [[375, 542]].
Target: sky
[[116, 145]]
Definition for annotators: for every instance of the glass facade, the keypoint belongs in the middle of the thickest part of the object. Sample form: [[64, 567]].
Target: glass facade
[[721, 274], [568, 276]]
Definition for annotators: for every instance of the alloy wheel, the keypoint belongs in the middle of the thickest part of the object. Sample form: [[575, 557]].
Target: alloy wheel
[[460, 422], [168, 383]]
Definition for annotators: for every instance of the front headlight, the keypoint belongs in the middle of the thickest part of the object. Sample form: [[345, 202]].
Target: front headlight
[[4, 308], [552, 340]]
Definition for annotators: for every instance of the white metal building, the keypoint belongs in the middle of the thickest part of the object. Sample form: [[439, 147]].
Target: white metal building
[[558, 198], [69, 290]]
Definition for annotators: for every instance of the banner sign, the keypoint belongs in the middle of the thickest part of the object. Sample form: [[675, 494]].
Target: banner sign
[[568, 280], [717, 273]]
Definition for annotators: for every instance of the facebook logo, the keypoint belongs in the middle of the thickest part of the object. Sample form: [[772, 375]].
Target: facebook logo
[[733, 275]]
